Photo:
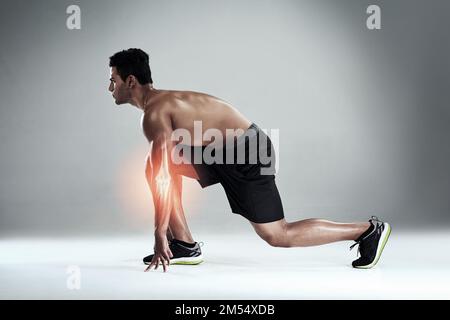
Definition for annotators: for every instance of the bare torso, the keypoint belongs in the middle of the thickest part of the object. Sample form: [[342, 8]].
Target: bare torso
[[185, 107]]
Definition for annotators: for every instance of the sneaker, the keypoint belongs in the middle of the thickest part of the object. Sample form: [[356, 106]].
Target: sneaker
[[181, 253], [371, 246]]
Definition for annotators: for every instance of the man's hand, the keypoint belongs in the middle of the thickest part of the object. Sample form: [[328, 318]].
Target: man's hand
[[162, 253]]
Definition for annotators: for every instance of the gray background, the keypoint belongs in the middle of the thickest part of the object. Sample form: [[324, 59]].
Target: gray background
[[363, 115]]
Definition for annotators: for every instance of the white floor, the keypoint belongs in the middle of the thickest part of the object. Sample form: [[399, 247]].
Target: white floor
[[237, 266]]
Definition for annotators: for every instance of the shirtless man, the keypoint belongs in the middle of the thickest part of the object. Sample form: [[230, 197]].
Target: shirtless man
[[250, 193]]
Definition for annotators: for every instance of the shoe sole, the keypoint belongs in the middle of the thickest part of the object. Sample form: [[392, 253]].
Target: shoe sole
[[185, 261], [384, 238]]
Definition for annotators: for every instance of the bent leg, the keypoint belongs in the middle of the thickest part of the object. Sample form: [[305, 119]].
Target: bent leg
[[308, 232], [177, 223]]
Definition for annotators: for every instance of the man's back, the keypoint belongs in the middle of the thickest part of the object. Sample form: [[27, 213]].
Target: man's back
[[185, 107]]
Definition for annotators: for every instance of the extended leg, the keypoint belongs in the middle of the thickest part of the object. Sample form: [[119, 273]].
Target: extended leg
[[308, 232]]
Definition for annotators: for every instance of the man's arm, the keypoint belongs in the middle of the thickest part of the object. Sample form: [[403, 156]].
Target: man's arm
[[162, 183], [149, 177], [158, 130]]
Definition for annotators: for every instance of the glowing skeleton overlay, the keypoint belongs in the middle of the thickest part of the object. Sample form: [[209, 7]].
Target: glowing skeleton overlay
[[162, 179]]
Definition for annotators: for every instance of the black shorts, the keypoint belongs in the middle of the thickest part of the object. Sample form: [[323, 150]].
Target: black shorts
[[249, 181]]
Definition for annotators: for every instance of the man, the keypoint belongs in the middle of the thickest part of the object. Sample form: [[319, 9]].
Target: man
[[251, 192]]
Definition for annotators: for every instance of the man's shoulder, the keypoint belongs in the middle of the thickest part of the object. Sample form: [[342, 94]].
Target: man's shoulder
[[157, 117], [160, 107]]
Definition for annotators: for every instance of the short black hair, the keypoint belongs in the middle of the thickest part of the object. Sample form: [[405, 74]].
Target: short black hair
[[132, 61]]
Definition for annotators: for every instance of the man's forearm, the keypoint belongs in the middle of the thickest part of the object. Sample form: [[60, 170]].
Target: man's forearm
[[163, 197], [161, 184]]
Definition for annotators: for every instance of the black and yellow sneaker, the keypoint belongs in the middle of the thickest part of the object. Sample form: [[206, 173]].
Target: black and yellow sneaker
[[183, 253], [371, 244]]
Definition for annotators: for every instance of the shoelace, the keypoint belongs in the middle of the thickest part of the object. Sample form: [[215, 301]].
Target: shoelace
[[358, 254], [199, 243], [372, 218]]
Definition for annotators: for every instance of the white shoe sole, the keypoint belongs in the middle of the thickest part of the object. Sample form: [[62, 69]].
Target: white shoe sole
[[185, 260]]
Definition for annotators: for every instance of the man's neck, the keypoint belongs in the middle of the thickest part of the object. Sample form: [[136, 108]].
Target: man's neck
[[143, 95]]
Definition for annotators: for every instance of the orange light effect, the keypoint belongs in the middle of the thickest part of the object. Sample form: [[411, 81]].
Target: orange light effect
[[134, 193]]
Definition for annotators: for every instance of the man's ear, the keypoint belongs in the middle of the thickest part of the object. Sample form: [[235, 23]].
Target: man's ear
[[131, 81]]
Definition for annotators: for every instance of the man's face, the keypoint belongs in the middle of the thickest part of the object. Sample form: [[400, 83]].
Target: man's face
[[118, 87]]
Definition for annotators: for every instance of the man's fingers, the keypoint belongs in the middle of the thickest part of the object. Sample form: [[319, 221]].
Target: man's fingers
[[167, 260], [166, 256], [163, 259], [159, 261], [150, 265]]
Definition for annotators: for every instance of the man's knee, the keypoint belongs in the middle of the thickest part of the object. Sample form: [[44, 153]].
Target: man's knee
[[276, 236], [276, 240]]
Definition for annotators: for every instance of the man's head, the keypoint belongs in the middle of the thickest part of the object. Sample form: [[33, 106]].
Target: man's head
[[129, 70]]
